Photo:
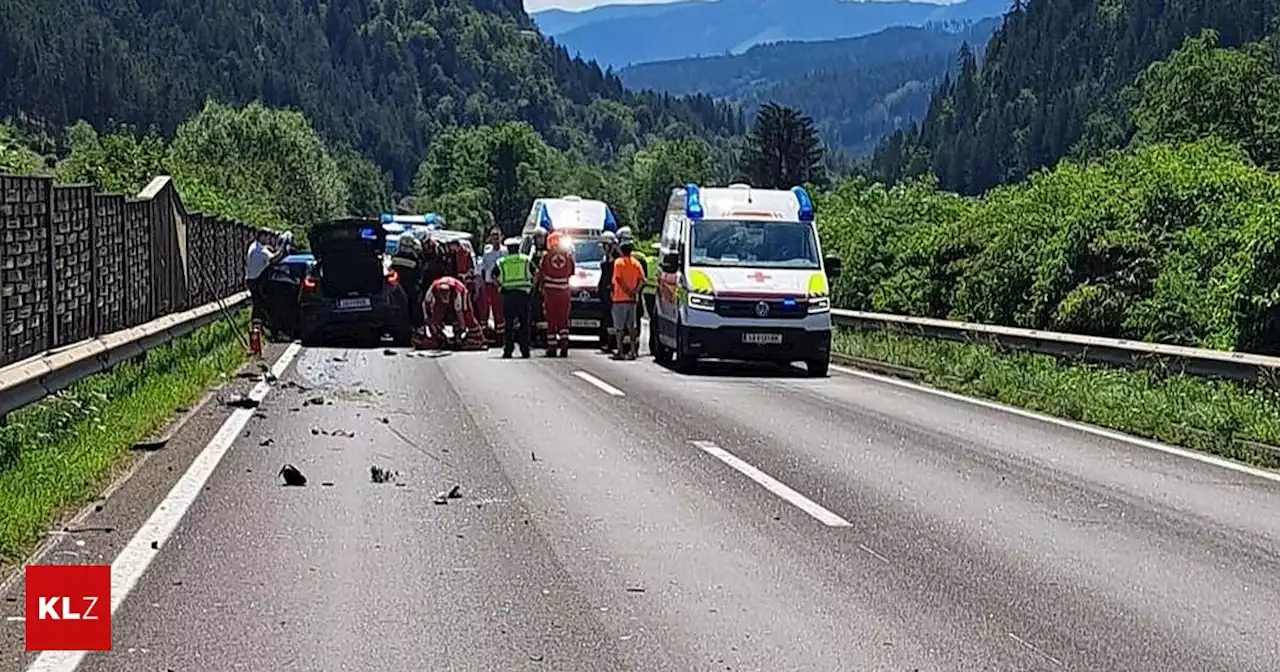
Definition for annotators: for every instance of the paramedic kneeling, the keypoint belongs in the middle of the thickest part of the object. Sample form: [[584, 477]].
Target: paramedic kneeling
[[628, 282]]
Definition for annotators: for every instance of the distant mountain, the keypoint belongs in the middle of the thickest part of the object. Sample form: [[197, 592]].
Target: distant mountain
[[553, 22], [858, 90], [622, 35]]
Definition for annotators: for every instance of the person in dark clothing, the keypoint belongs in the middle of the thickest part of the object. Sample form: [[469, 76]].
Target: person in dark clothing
[[406, 262], [604, 290], [434, 265]]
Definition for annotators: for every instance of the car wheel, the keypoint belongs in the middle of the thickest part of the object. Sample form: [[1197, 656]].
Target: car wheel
[[818, 368]]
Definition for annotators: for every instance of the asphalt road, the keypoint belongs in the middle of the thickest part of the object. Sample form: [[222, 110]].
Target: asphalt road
[[620, 516]]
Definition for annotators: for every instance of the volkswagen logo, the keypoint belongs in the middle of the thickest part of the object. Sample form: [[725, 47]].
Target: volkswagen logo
[[584, 295], [762, 309]]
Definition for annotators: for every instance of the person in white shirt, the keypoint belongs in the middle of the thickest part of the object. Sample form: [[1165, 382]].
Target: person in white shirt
[[259, 258], [492, 293]]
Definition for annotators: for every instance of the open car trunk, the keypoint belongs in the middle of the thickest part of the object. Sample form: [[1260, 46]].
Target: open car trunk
[[349, 256]]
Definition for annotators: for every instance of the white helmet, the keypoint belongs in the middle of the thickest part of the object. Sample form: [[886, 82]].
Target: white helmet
[[624, 234], [409, 243], [608, 237]]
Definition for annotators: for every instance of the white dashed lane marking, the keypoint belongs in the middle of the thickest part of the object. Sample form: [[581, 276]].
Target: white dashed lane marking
[[773, 485]]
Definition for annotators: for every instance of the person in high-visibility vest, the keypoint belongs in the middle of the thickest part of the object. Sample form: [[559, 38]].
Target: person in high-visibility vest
[[514, 278], [626, 238]]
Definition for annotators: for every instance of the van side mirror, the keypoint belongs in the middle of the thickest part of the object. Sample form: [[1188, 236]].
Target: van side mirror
[[670, 262], [833, 265]]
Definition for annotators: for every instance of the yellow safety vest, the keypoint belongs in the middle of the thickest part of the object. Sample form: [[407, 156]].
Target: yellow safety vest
[[513, 273], [650, 272]]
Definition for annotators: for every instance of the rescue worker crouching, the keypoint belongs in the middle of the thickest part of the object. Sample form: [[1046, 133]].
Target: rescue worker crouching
[[553, 279], [514, 278], [407, 263], [449, 302]]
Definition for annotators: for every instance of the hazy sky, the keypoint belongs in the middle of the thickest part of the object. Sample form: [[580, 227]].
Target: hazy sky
[[535, 5]]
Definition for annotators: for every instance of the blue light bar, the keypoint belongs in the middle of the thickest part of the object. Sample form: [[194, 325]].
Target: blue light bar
[[692, 202], [789, 302], [544, 218], [610, 224], [388, 218], [806, 205], [368, 234]]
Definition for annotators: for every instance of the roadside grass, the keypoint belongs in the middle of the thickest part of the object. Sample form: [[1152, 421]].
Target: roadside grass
[[1213, 416], [57, 455]]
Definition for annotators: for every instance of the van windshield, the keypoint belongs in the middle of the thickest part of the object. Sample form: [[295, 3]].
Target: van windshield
[[767, 244], [587, 252]]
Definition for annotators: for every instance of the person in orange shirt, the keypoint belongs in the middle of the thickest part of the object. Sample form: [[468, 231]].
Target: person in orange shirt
[[628, 282]]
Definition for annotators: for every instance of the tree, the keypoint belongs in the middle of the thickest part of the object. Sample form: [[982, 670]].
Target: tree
[[658, 168], [783, 150]]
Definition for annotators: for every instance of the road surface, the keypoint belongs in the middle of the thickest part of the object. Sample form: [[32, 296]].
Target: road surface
[[620, 516]]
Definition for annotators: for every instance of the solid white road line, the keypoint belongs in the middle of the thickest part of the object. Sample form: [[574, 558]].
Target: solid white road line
[[138, 553], [1272, 476], [606, 387], [773, 485]]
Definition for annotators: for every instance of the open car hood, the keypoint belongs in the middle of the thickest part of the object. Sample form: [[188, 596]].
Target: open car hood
[[347, 237]]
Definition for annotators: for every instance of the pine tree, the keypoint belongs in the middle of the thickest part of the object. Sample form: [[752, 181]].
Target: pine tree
[[783, 150]]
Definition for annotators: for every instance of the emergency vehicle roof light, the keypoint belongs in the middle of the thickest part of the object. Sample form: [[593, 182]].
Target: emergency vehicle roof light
[[692, 202], [610, 224], [806, 205], [544, 218], [388, 218]]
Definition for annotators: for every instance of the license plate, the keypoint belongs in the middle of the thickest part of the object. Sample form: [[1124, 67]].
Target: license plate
[[585, 324], [762, 339], [353, 304]]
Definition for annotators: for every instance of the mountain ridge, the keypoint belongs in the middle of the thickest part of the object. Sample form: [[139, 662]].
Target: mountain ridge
[[698, 28]]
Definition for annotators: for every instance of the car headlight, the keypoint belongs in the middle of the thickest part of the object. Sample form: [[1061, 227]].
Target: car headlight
[[701, 302], [819, 305]]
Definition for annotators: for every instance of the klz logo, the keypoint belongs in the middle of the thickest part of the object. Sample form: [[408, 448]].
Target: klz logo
[[68, 608]]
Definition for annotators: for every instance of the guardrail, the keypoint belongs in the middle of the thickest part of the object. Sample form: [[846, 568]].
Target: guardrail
[[1094, 349], [35, 378]]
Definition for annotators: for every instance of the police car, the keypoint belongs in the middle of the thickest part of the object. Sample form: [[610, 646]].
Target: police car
[[742, 277]]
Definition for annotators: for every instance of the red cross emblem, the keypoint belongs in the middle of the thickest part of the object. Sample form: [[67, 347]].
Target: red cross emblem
[[759, 276], [557, 261]]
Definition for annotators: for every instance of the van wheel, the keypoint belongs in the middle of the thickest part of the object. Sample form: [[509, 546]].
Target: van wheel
[[818, 368], [661, 354], [685, 362]]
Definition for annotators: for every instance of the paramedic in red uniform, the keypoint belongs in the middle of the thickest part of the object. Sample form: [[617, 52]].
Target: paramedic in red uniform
[[448, 298], [553, 278]]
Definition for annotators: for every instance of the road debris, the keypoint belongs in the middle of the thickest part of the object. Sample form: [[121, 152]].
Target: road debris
[[379, 475], [266, 442], [240, 401], [384, 419], [635, 589], [343, 434], [389, 352], [314, 401], [455, 492], [292, 476], [442, 497], [327, 484], [533, 456]]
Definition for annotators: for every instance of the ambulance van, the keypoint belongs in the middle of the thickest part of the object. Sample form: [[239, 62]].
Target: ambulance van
[[742, 278], [581, 221]]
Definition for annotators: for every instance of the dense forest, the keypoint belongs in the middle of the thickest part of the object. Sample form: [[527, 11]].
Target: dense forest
[[1053, 84], [858, 90], [378, 77], [1174, 238]]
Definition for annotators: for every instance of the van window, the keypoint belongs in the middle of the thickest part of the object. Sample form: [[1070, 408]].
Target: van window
[[767, 244]]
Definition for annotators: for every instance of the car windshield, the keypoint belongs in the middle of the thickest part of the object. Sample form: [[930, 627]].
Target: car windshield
[[755, 244], [587, 253]]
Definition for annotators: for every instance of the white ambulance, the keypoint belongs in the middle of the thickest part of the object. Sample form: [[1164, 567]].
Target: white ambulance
[[743, 278], [582, 221]]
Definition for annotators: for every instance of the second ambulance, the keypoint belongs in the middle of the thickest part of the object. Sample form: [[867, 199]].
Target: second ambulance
[[742, 277]]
